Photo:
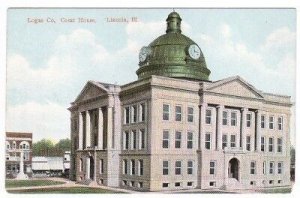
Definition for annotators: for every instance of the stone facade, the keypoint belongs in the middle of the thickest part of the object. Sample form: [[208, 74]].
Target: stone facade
[[174, 129], [162, 133]]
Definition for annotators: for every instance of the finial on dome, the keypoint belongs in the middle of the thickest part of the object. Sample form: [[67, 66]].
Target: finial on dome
[[173, 22]]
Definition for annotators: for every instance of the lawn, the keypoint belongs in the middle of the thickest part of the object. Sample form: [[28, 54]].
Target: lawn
[[276, 190], [64, 190], [23, 183]]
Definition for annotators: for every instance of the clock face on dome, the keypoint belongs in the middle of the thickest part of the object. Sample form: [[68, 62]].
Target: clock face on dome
[[194, 51], [144, 52]]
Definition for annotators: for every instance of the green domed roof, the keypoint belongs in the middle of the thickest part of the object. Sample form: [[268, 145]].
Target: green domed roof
[[171, 55]]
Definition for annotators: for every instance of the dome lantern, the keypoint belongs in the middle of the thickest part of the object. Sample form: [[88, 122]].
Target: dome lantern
[[173, 23]]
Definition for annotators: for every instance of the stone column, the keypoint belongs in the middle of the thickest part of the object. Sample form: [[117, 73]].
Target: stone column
[[87, 129], [87, 168], [219, 127], [258, 130], [202, 125], [80, 135], [243, 129], [100, 129], [109, 127]]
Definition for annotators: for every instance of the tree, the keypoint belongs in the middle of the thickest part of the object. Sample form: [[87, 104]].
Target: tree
[[42, 147], [45, 147], [64, 144]]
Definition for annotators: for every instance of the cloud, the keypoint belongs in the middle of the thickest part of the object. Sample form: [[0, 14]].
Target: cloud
[[48, 120], [280, 38], [265, 68]]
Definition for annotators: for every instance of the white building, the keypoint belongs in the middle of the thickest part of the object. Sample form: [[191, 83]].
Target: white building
[[174, 129]]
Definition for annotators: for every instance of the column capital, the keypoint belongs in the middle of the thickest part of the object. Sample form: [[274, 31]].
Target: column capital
[[220, 106], [203, 104], [244, 109], [257, 111]]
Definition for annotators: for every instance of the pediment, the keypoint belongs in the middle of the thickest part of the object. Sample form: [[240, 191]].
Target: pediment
[[91, 90], [235, 86]]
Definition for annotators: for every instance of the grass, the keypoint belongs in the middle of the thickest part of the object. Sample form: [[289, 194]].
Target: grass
[[64, 190], [276, 190], [24, 183]]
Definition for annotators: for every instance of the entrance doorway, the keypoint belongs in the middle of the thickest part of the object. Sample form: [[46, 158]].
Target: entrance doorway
[[233, 168], [92, 164]]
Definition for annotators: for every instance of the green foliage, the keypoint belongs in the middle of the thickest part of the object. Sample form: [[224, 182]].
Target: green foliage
[[64, 190], [45, 147], [23, 183]]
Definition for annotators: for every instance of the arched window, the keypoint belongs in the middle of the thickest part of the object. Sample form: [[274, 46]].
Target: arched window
[[24, 145], [14, 145], [7, 145]]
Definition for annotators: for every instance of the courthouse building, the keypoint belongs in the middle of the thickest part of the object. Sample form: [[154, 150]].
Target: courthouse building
[[174, 129]]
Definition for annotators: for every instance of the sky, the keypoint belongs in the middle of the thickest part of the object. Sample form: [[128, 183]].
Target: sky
[[48, 63]]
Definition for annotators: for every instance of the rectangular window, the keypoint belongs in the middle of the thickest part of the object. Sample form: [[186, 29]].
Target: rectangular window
[[225, 118], [248, 143], [271, 122], [133, 139], [132, 183], [189, 183], [101, 166], [271, 168], [190, 117], [133, 114], [177, 139], [270, 144], [190, 167], [178, 113], [212, 184], [262, 121], [165, 185], [207, 140], [125, 166], [127, 115], [280, 167], [166, 112], [132, 167], [280, 122], [190, 140], [178, 168], [252, 168], [279, 145], [264, 167], [140, 184], [142, 112], [262, 144], [232, 141], [248, 119], [165, 167], [212, 166], [224, 141], [177, 184], [141, 167], [165, 143], [233, 118], [124, 183], [208, 116], [126, 140], [142, 139]]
